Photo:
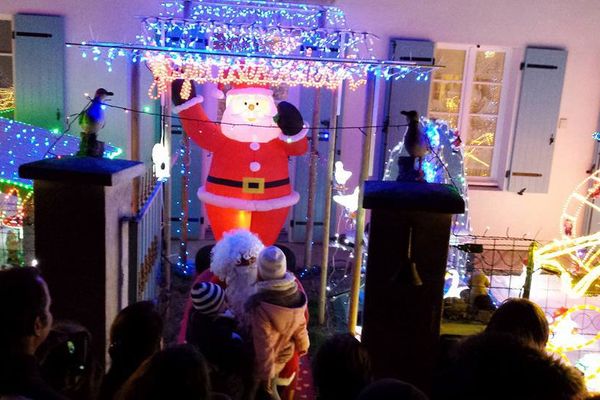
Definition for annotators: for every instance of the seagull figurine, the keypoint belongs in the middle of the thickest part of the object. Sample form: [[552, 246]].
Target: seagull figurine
[[91, 119], [415, 141]]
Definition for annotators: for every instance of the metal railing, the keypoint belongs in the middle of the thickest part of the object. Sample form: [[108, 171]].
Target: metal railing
[[145, 243]]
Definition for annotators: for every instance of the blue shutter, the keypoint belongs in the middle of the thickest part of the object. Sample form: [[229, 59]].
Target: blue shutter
[[40, 68], [407, 93], [537, 118]]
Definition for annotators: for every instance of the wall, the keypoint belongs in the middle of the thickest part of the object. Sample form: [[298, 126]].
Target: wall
[[515, 24], [510, 23]]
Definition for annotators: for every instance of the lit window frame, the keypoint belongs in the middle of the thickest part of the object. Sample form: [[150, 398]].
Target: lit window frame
[[503, 124]]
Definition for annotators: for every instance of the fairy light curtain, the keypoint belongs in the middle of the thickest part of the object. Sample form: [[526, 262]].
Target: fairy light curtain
[[271, 43]]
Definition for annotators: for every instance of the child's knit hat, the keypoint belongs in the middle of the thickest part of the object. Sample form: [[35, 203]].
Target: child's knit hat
[[271, 263], [207, 297]]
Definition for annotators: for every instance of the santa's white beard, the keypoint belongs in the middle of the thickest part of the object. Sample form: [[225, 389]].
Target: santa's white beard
[[237, 127], [240, 286]]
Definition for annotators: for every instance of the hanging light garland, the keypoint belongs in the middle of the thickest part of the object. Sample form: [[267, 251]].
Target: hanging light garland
[[270, 43]]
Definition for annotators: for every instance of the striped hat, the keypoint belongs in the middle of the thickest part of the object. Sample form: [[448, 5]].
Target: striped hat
[[207, 297]]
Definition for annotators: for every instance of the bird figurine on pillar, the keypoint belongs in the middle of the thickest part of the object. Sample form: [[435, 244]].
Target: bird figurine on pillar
[[91, 120], [416, 145]]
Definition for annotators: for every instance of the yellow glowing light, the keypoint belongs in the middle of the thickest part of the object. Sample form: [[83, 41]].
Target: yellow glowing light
[[7, 98], [575, 259], [564, 338], [489, 54]]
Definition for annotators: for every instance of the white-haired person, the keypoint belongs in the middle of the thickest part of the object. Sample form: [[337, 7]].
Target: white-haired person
[[233, 267], [278, 318]]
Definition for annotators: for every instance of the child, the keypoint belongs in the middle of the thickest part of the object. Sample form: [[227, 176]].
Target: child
[[212, 330], [277, 314]]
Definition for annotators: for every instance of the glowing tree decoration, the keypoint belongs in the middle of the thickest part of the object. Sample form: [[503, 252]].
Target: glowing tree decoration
[[566, 337], [576, 259], [255, 42], [443, 164]]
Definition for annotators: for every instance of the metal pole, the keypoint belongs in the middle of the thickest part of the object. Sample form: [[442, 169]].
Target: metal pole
[[360, 213], [312, 179], [185, 181], [529, 271], [327, 211]]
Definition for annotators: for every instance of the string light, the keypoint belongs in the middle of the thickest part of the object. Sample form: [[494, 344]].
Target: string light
[[252, 42], [564, 339], [7, 99], [21, 143], [575, 259]]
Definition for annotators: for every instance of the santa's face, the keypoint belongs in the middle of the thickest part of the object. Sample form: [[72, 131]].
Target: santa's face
[[249, 118]]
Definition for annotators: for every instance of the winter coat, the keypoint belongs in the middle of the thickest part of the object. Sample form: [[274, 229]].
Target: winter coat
[[278, 317]]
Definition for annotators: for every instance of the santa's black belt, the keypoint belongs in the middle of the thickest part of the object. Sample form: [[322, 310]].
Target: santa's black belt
[[249, 184]]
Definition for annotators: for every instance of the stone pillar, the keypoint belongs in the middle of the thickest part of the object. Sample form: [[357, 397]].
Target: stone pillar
[[408, 247], [78, 204]]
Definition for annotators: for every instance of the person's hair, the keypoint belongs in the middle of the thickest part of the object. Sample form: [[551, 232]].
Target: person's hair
[[135, 334], [391, 389], [67, 363], [341, 368], [203, 258], [179, 372], [523, 319], [498, 366], [22, 300]]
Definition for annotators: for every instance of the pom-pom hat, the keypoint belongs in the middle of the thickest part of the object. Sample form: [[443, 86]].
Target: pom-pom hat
[[207, 297], [271, 263]]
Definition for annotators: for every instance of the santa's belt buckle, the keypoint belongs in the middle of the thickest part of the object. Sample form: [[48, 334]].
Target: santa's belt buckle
[[253, 185]]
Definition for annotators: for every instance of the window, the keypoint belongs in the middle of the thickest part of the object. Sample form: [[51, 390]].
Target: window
[[7, 90], [468, 93]]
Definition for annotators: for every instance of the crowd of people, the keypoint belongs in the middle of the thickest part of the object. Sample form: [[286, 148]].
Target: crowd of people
[[242, 335]]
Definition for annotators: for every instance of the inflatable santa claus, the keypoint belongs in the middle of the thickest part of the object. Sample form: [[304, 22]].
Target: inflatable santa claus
[[248, 184]]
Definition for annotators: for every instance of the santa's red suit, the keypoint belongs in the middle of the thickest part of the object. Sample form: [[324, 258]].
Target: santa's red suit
[[248, 183]]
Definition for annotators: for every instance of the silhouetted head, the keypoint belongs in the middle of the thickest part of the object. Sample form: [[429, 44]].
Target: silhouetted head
[[391, 389], [135, 335], [525, 372], [341, 368], [522, 319], [25, 317], [179, 372]]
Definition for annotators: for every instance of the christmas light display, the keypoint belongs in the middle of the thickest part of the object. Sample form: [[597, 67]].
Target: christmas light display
[[443, 164], [7, 99], [566, 337], [22, 143], [232, 42], [576, 259]]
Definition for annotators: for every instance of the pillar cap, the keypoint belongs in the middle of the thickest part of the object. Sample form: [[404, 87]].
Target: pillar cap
[[413, 196], [83, 170]]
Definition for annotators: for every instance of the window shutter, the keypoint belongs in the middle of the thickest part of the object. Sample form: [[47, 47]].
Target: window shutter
[[537, 117], [39, 66], [408, 93]]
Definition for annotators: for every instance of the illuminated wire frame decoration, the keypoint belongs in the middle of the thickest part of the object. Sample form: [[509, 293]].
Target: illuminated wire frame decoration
[[566, 336], [232, 42], [22, 143], [576, 259]]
